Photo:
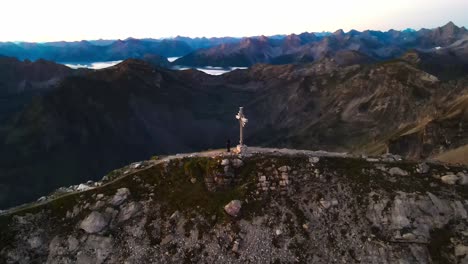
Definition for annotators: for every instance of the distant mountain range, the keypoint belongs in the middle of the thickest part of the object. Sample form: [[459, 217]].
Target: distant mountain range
[[85, 51], [308, 47], [228, 51]]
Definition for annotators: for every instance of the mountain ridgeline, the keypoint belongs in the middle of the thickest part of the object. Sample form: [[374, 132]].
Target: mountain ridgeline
[[67, 126], [366, 46]]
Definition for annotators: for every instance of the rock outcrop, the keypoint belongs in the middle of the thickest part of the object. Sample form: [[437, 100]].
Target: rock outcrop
[[289, 206]]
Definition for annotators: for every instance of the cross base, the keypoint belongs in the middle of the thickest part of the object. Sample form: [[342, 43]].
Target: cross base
[[241, 149]]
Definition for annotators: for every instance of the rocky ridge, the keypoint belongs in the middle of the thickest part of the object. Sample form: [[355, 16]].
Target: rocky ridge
[[264, 206]]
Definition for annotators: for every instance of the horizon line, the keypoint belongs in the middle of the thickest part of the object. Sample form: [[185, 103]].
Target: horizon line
[[225, 36]]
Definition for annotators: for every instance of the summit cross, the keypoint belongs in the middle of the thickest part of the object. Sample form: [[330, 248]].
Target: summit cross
[[242, 123]]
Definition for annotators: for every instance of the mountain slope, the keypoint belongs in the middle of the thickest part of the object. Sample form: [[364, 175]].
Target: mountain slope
[[104, 119], [22, 80], [265, 206], [436, 137], [93, 123]]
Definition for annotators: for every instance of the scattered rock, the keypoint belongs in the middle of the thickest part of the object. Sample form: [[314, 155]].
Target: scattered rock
[[83, 187], [83, 258], [278, 232], [397, 171], [233, 208], [175, 215], [391, 158], [461, 250], [423, 168], [94, 223], [284, 169], [462, 178], [237, 163], [314, 159], [35, 242], [99, 248], [224, 162], [72, 243], [42, 199], [136, 165], [193, 180], [120, 197], [449, 179], [98, 205], [334, 202], [128, 211], [325, 204], [235, 247], [408, 236]]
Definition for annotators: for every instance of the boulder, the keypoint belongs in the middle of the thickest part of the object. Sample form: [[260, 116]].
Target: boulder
[[284, 168], [449, 179], [235, 247], [314, 159], [128, 211], [423, 168], [101, 246], [136, 165], [83, 187], [224, 162], [237, 163], [461, 250], [325, 203], [233, 208], [72, 243], [462, 178], [94, 223], [120, 197]]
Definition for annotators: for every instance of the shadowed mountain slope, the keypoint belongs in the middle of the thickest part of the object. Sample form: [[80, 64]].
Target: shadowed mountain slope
[[103, 119]]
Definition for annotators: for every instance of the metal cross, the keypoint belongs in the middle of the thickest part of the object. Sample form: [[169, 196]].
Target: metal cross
[[242, 123]]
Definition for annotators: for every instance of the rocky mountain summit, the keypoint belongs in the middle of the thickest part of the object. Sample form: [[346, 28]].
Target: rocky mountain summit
[[263, 206]]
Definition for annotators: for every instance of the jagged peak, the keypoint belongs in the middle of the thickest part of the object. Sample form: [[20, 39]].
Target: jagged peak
[[339, 32], [450, 24]]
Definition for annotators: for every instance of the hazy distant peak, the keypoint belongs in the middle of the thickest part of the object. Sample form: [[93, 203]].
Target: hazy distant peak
[[339, 32], [450, 24], [408, 30]]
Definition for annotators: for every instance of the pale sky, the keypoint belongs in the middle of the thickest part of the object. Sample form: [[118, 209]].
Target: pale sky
[[71, 20]]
